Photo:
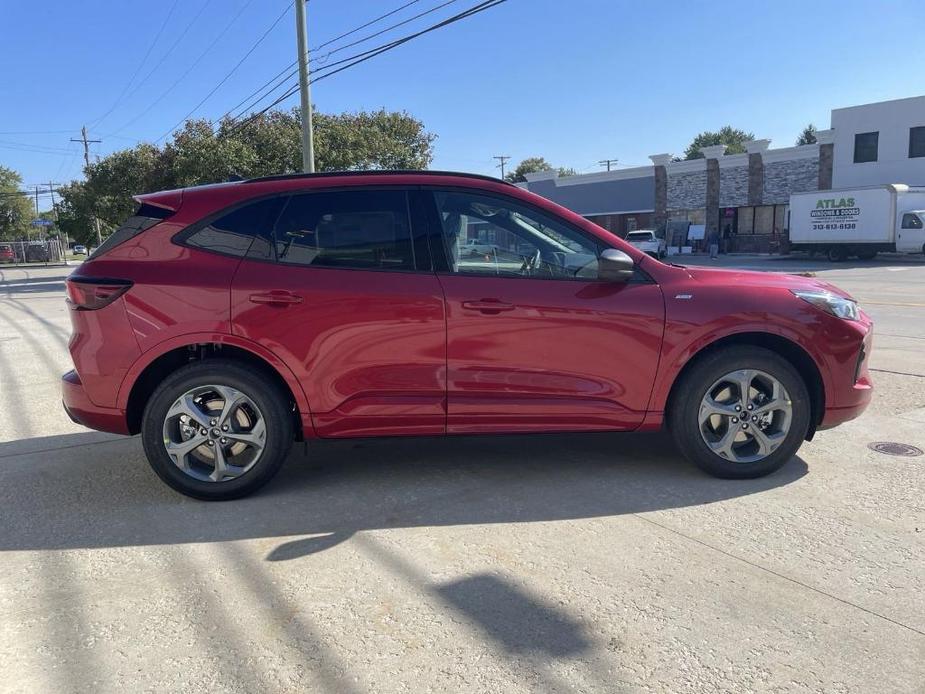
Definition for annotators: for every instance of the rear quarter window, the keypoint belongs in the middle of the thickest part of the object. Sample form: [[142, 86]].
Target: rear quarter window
[[145, 217], [244, 231]]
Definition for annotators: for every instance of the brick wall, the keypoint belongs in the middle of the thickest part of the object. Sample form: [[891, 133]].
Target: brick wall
[[784, 177]]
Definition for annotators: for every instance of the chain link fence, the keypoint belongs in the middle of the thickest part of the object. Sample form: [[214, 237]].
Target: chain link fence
[[49, 252]]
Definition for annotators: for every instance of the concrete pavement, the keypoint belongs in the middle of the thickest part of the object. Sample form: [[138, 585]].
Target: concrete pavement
[[495, 564]]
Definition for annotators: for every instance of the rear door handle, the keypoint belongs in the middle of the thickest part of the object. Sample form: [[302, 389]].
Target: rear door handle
[[488, 306], [279, 297]]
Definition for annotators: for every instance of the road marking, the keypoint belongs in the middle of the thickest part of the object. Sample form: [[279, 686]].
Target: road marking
[[864, 302]]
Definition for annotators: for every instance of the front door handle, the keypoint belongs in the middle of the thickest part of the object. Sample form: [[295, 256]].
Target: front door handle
[[276, 297], [488, 306]]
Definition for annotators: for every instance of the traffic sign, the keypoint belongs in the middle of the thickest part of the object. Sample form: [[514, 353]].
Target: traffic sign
[[42, 223]]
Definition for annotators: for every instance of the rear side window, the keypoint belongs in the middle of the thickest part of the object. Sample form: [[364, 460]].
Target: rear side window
[[363, 229], [145, 217], [245, 231]]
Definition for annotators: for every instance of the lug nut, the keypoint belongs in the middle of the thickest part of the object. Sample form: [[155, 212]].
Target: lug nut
[[738, 408], [223, 440], [210, 442], [224, 427], [212, 421], [744, 426], [735, 420], [754, 418], [751, 407], [203, 432]]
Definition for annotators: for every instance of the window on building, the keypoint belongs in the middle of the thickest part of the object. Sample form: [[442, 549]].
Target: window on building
[[911, 221], [746, 220], [865, 147], [367, 230], [917, 142]]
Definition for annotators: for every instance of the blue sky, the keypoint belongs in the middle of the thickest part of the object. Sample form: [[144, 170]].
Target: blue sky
[[574, 81]]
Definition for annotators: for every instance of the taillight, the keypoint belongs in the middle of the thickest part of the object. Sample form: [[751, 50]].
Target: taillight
[[92, 293]]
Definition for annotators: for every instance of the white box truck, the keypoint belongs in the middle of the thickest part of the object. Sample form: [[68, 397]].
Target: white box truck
[[858, 221]]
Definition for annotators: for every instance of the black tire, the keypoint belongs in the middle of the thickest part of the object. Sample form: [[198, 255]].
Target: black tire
[[685, 407], [836, 254], [272, 402]]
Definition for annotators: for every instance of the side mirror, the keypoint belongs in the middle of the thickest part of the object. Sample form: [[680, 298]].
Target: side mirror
[[615, 266]]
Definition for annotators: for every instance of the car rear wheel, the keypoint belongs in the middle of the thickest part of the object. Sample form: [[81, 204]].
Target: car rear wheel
[[740, 412], [216, 430]]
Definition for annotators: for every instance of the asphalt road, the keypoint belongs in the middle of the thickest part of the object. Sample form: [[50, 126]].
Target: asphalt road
[[483, 564]]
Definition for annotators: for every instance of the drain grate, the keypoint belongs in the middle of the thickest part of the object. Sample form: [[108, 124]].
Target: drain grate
[[894, 448]]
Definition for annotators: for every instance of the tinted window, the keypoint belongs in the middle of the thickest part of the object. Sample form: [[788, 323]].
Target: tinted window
[[363, 229], [145, 217], [496, 236], [911, 221], [865, 147], [244, 231], [917, 142]]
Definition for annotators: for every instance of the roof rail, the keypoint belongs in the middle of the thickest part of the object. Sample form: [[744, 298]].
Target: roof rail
[[380, 172]]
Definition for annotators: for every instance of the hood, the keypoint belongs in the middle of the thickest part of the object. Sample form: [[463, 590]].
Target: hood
[[770, 280]]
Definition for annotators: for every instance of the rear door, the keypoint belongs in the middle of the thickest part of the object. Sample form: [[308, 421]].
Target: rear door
[[343, 291], [535, 341]]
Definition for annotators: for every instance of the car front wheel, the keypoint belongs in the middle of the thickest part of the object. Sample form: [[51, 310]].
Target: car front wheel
[[215, 430], [740, 412]]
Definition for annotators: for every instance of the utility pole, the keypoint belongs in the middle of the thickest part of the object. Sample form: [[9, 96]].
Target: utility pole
[[608, 162], [67, 243], [503, 158], [308, 147], [86, 144]]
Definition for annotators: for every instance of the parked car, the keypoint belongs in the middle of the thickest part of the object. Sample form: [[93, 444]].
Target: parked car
[[80, 250], [223, 322], [648, 242], [36, 252], [6, 253]]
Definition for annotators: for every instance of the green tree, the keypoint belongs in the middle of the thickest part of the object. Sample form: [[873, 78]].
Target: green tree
[[533, 165], [268, 144], [15, 209], [808, 136], [733, 138]]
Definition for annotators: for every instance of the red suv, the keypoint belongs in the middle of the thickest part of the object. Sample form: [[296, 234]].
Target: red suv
[[222, 322]]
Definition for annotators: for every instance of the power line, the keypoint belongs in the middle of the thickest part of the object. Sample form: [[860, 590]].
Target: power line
[[189, 69], [608, 162], [363, 26], [321, 58], [291, 69], [230, 73], [168, 52], [349, 62], [140, 65]]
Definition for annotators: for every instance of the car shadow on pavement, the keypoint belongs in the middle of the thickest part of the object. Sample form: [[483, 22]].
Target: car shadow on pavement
[[84, 491]]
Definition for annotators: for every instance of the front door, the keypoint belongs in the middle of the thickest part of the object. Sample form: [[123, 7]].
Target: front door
[[345, 295], [911, 237], [535, 342]]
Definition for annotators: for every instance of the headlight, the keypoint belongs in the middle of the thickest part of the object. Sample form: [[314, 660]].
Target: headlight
[[830, 303]]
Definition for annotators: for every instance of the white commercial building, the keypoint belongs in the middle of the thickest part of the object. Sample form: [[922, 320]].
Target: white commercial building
[[880, 143]]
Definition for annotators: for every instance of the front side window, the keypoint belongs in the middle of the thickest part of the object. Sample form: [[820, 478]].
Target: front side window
[[917, 142], [911, 221], [363, 229], [865, 147], [246, 230], [486, 235]]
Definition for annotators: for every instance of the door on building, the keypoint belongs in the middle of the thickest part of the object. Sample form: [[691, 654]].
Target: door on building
[[535, 341]]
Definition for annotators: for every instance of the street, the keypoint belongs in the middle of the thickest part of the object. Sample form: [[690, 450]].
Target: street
[[551, 563]]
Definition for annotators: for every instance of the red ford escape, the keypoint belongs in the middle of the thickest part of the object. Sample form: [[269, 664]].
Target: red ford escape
[[223, 322]]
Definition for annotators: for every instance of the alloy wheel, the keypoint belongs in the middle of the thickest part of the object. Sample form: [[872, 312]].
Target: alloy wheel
[[745, 416], [214, 433]]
